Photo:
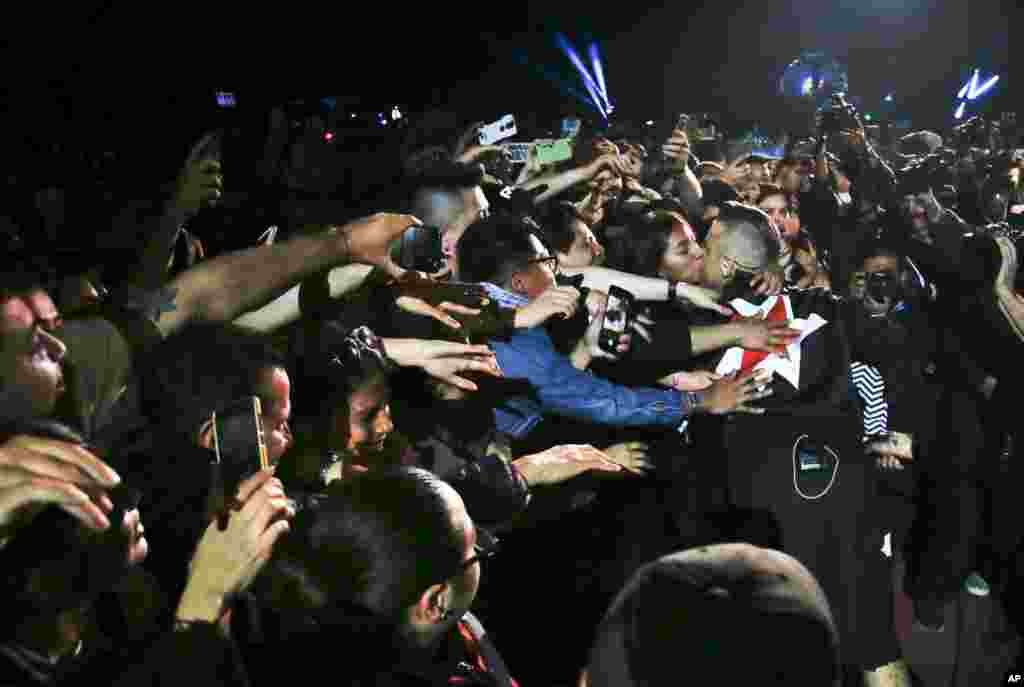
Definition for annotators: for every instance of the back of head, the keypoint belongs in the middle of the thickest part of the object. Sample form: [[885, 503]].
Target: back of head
[[754, 615], [748, 238], [492, 250], [376, 543], [434, 189], [709, 151], [557, 226], [641, 247], [199, 370]]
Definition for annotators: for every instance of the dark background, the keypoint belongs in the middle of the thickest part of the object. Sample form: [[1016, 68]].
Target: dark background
[[71, 63]]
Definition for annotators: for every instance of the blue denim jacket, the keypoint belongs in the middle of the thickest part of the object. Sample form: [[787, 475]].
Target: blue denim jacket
[[561, 389]]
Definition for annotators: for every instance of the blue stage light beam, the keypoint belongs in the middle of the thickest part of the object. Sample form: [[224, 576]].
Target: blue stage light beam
[[973, 81], [983, 89], [960, 110], [570, 52], [557, 81], [595, 61], [596, 99]]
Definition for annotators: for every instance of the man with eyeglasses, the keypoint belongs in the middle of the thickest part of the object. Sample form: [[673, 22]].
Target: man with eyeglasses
[[516, 268]]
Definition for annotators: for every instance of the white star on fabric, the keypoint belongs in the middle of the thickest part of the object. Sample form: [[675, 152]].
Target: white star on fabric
[[787, 369]]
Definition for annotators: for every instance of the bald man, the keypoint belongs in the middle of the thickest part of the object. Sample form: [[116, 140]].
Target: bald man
[[730, 614], [800, 464], [740, 246]]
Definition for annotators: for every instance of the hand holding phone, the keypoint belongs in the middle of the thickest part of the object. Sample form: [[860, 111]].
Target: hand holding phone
[[240, 451], [618, 319]]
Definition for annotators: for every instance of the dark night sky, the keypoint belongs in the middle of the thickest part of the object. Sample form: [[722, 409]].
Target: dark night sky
[[659, 58]]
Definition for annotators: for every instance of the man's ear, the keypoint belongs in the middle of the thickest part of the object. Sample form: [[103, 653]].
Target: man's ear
[[728, 268], [431, 606], [205, 435]]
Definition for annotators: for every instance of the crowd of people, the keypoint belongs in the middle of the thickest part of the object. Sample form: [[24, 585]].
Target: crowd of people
[[217, 457]]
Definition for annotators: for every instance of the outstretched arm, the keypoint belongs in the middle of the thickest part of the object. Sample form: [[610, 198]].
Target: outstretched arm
[[222, 289]]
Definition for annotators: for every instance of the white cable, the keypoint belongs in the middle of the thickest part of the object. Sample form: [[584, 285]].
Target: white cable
[[831, 481]]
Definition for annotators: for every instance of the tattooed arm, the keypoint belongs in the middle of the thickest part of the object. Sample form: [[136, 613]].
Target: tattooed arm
[[222, 289]]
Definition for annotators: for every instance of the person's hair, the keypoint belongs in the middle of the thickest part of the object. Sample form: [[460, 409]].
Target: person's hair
[[204, 368], [494, 249], [747, 237], [339, 364], [769, 190], [709, 151], [717, 192], [641, 247], [432, 189], [877, 247], [557, 226], [377, 542], [675, 615]]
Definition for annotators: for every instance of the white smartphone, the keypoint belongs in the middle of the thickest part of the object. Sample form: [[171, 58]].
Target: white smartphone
[[498, 131]]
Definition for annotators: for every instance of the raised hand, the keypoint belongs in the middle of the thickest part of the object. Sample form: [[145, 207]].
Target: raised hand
[[201, 182], [368, 240], [226, 561], [36, 473]]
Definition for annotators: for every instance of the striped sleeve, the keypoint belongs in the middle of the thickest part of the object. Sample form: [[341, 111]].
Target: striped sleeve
[[871, 388]]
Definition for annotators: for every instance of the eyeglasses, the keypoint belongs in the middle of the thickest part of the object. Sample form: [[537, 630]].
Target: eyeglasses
[[487, 545], [551, 262]]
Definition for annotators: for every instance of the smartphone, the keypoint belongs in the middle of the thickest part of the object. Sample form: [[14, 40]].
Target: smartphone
[[498, 131], [518, 152], [226, 99], [556, 151], [618, 316], [809, 459], [570, 127], [239, 442], [420, 249]]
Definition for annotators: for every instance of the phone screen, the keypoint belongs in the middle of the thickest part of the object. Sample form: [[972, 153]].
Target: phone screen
[[239, 441], [617, 316], [557, 151], [420, 249], [518, 152]]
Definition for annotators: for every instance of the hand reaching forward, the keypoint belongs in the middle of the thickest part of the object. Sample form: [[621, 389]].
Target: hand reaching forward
[[765, 336], [733, 393], [368, 240], [632, 456], [36, 473], [226, 561], [562, 463], [444, 360]]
